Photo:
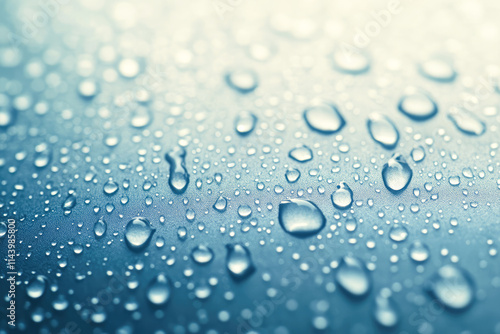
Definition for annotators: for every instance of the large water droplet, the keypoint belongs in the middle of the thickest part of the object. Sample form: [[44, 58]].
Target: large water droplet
[[239, 262], [300, 218], [382, 130], [350, 61], [396, 174], [452, 286], [245, 123], [202, 254], [438, 69], [417, 105], [419, 252], [324, 118], [159, 290], [138, 233], [353, 277], [110, 187], [301, 154], [36, 287], [467, 122], [179, 177], [398, 233], [342, 197], [243, 80]]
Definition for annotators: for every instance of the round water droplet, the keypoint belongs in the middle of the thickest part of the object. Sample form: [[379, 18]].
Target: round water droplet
[[352, 276], [138, 233], [221, 204], [100, 227], [36, 287], [245, 123], [244, 211], [417, 105], [452, 286], [179, 177], [324, 118], [243, 80], [438, 69], [398, 233], [419, 252], [141, 117], [418, 154], [342, 197], [301, 154], [382, 130], [87, 89], [202, 254], [396, 174], [159, 290], [292, 175], [385, 311], [350, 61], [239, 262], [300, 218], [467, 122], [128, 68], [110, 187]]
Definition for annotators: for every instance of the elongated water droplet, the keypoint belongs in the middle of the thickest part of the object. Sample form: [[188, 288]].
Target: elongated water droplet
[[3, 229], [179, 177], [342, 197], [438, 69], [301, 154], [69, 203], [385, 311], [396, 174], [382, 130], [245, 123], [7, 114], [417, 105], [202, 254], [467, 122], [353, 277], [300, 218], [159, 290], [350, 61], [43, 155], [452, 286], [100, 227], [239, 262], [138, 233], [36, 287], [419, 252], [243, 80], [324, 118]]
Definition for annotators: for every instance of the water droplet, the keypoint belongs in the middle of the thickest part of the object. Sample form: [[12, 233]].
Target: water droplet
[[350, 61], [3, 229], [352, 276], [245, 123], [437, 69], [43, 156], [138, 233], [342, 197], [239, 262], [202, 254], [110, 187], [292, 175], [159, 290], [128, 68], [36, 287], [88, 89], [69, 203], [419, 252], [467, 122], [220, 204], [243, 80], [300, 218], [301, 154], [141, 117], [396, 174], [418, 154], [100, 227], [418, 105], [324, 118], [398, 233], [385, 311], [179, 177], [452, 286], [244, 211], [382, 130]]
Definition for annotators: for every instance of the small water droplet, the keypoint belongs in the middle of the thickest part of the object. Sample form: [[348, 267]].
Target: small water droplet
[[438, 69], [110, 187], [467, 122], [300, 218], [301, 154], [417, 105], [179, 177], [202, 254], [342, 197], [292, 175], [324, 118], [418, 154], [36, 287], [382, 130], [350, 61], [138, 233], [159, 290], [242, 80], [245, 123], [385, 311], [419, 252], [398, 233], [239, 262], [220, 204], [100, 227]]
